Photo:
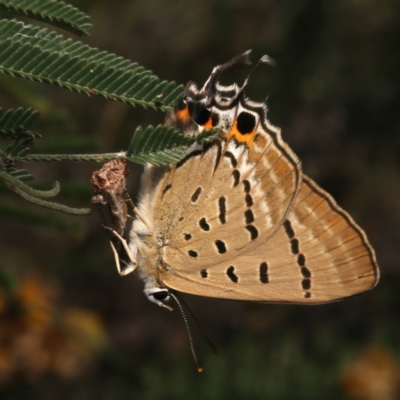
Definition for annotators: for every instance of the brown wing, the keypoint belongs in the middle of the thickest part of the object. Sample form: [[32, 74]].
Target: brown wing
[[318, 255], [223, 199]]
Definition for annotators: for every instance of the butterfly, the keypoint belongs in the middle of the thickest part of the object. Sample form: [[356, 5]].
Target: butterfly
[[237, 218]]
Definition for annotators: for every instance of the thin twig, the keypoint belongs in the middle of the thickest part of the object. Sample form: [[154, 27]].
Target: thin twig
[[36, 196], [99, 158], [42, 194]]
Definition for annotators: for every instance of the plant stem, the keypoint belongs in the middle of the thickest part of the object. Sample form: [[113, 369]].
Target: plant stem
[[99, 158]]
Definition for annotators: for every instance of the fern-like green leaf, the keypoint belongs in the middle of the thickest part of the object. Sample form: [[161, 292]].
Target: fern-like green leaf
[[21, 174], [39, 55], [162, 145], [15, 123], [53, 12], [14, 128]]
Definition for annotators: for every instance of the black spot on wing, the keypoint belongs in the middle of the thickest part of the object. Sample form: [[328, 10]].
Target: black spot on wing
[[202, 116], [294, 245], [231, 274], [305, 272], [221, 247], [236, 177], [306, 284], [247, 186], [245, 123], [301, 260], [264, 273], [222, 209], [188, 236], [253, 231], [203, 225], [165, 190], [204, 273], [288, 229], [249, 200], [193, 253], [196, 194], [248, 216], [231, 157]]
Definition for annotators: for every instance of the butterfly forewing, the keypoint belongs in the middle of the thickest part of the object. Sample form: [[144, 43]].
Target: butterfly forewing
[[226, 198]]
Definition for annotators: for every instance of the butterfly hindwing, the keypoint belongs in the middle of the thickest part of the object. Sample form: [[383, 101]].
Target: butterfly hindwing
[[318, 255]]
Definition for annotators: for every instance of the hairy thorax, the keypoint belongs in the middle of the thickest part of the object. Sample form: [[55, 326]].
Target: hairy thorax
[[145, 241]]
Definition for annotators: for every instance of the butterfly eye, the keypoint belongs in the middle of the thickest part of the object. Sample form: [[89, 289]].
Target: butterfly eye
[[161, 295], [157, 295]]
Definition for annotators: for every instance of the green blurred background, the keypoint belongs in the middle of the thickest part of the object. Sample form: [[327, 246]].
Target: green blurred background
[[71, 328]]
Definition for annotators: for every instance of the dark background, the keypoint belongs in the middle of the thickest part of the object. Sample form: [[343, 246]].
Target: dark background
[[72, 328]]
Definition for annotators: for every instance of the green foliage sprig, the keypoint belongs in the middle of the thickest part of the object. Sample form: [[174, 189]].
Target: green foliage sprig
[[41, 55], [53, 12]]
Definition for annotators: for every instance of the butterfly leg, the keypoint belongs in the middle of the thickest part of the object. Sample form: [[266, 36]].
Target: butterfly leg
[[121, 270], [142, 232], [132, 257]]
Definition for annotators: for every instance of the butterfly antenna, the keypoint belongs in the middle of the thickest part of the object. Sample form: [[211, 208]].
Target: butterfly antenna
[[208, 341], [242, 59], [264, 59], [199, 368]]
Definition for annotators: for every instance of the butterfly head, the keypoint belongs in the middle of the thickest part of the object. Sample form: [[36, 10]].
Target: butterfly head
[[158, 295]]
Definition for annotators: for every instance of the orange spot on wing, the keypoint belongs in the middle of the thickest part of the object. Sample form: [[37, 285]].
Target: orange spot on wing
[[248, 138], [183, 115], [208, 124]]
